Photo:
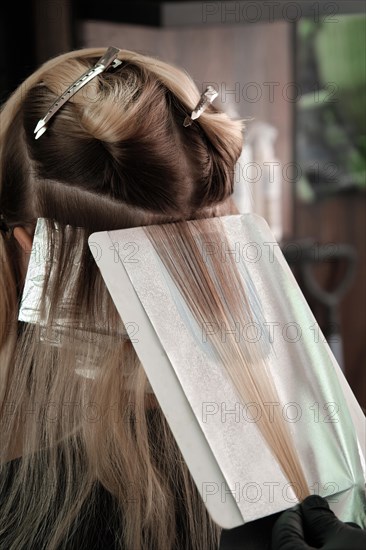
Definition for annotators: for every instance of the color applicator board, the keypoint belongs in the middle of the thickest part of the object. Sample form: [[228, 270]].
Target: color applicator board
[[236, 473]]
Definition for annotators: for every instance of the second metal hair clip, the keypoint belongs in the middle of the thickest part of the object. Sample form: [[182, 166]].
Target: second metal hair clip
[[205, 100]]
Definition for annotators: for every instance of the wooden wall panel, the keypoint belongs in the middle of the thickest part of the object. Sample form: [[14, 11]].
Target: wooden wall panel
[[335, 220]]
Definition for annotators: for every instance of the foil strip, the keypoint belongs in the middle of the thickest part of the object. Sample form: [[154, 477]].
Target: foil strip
[[325, 421]]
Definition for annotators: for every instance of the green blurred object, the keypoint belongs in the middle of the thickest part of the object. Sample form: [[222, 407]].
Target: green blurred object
[[341, 53], [332, 110]]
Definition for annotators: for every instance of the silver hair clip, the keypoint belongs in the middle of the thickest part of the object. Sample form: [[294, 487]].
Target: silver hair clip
[[206, 98], [108, 59]]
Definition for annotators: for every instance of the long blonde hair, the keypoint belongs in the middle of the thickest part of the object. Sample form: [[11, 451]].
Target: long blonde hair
[[116, 155]]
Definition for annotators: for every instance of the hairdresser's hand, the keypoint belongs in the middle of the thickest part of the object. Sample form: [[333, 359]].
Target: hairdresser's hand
[[312, 524]]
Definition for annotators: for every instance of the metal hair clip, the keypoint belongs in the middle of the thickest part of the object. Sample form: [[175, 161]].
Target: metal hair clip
[[206, 98], [108, 59]]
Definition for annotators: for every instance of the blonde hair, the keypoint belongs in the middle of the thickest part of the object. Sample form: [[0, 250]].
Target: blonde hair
[[116, 155]]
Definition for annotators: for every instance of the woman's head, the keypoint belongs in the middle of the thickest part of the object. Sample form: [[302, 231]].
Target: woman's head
[[117, 153]]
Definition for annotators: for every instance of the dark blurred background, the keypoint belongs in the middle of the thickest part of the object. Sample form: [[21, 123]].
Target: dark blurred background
[[297, 72]]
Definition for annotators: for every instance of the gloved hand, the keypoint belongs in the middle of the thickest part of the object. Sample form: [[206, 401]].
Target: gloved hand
[[312, 524]]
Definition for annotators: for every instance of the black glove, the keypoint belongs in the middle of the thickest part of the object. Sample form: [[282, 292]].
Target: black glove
[[312, 524]]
